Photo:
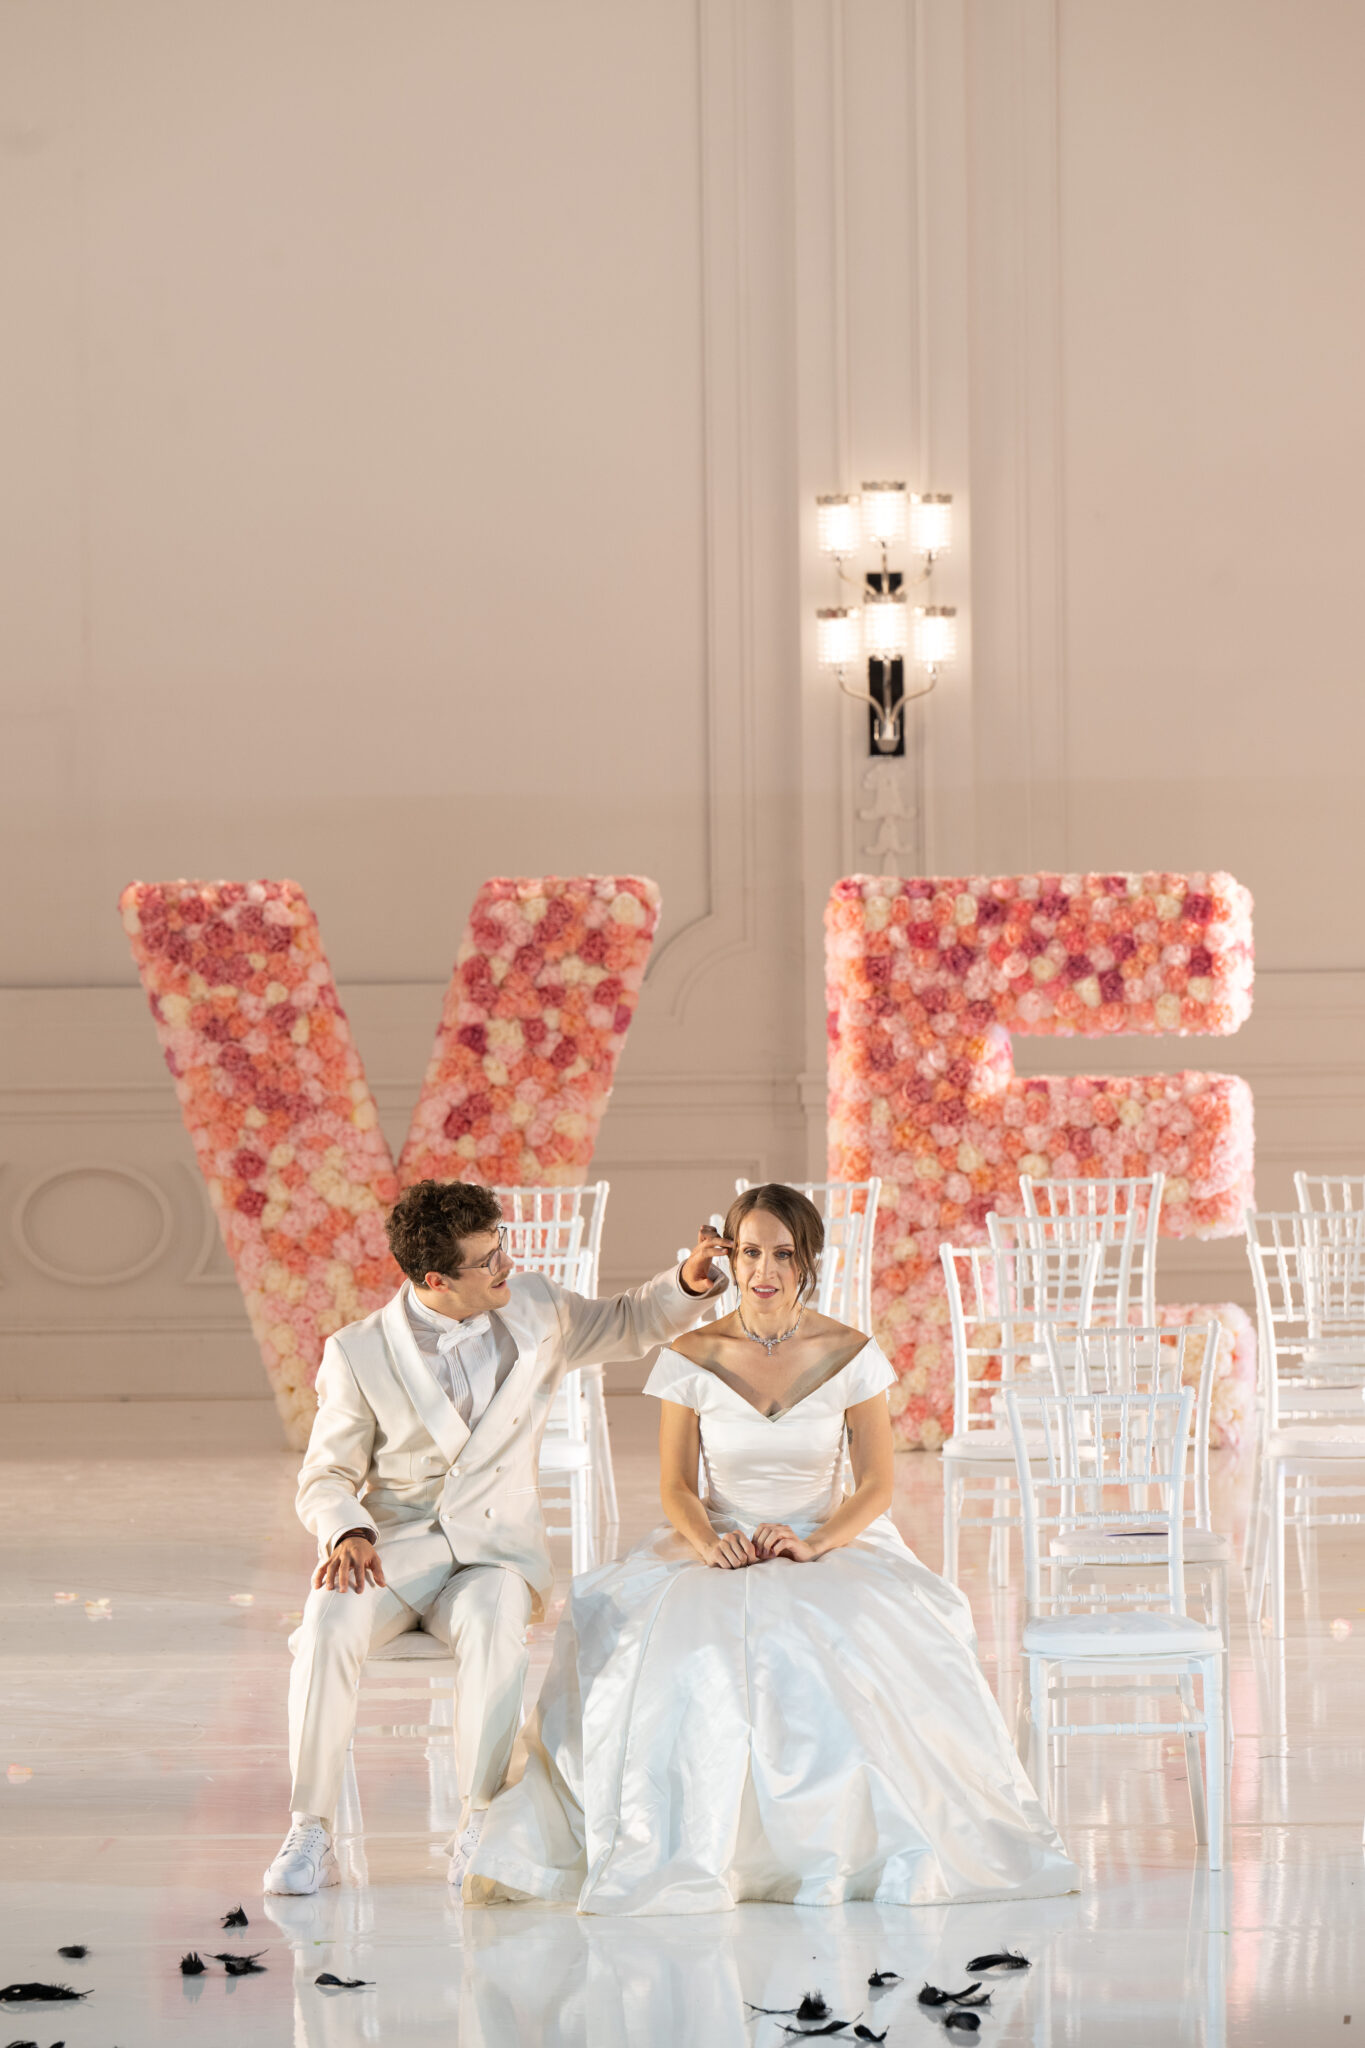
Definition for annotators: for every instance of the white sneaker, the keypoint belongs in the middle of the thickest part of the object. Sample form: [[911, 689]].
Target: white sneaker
[[464, 1849], [305, 1862]]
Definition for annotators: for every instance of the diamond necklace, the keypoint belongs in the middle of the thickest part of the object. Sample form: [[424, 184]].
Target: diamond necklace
[[769, 1343]]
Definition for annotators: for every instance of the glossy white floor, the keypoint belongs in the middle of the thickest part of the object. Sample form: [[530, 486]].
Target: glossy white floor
[[143, 1734]]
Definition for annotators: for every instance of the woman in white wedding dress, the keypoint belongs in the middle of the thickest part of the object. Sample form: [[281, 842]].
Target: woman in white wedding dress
[[772, 1698]]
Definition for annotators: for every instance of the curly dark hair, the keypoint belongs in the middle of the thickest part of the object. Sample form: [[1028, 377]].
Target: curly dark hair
[[802, 1219], [428, 1220]]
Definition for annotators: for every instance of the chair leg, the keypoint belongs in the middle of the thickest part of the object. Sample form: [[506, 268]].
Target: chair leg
[[1040, 1764], [1215, 1717], [1222, 1619], [583, 1545], [1298, 1507], [1000, 1535], [599, 1437], [950, 1515], [1260, 1546], [1277, 1557], [350, 1820], [1194, 1764]]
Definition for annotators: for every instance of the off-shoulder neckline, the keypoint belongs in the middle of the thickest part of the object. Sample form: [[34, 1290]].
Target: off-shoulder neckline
[[782, 1413]]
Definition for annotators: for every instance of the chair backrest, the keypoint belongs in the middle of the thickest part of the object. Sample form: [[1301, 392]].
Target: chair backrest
[[1331, 1194], [848, 1209], [549, 1245], [1073, 1454], [1125, 1215], [1000, 1302], [558, 1206], [1276, 1240], [1155, 1360]]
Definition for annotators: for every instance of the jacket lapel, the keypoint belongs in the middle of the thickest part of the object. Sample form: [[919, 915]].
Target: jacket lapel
[[423, 1389]]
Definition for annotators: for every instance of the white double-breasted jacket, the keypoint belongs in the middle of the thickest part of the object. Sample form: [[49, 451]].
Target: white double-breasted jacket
[[390, 1452]]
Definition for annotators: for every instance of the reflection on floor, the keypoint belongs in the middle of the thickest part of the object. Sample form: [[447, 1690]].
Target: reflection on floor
[[152, 1570]]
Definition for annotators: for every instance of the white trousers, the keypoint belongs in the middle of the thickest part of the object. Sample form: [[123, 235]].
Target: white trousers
[[480, 1614]]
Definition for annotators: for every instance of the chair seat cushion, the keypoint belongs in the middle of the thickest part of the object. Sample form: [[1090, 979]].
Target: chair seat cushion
[[1120, 1635], [992, 1444], [1334, 1441], [1344, 1351], [1141, 1546], [564, 1454], [1345, 1401]]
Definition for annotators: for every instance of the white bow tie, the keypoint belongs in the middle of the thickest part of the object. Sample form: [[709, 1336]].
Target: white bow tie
[[451, 1340]]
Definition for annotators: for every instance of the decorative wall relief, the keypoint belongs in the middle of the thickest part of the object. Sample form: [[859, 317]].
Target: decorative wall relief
[[274, 1096], [888, 817], [926, 980]]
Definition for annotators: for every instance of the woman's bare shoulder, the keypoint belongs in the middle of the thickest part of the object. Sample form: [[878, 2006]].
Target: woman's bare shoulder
[[840, 1336], [706, 1346]]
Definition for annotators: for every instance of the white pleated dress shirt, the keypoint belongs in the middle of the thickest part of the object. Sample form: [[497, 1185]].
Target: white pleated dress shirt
[[470, 1359]]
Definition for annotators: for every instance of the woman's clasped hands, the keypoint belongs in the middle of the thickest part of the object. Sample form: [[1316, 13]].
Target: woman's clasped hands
[[734, 1550]]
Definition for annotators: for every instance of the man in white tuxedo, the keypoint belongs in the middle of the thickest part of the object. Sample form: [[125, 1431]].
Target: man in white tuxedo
[[420, 1484]]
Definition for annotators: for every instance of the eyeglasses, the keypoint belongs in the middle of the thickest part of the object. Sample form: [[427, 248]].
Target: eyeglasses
[[495, 1257]]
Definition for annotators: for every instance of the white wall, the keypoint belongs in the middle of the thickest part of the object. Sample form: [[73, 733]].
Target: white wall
[[413, 414]]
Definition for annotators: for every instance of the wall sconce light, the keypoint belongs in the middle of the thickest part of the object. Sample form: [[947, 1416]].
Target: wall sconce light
[[931, 524], [935, 636], [884, 516]]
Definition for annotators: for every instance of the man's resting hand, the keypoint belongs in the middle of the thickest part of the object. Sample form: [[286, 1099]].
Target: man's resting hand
[[353, 1560]]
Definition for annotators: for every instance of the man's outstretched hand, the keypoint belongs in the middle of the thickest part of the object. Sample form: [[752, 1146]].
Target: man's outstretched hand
[[352, 1562], [699, 1276]]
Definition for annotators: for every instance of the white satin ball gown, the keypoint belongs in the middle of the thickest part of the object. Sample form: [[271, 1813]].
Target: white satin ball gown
[[802, 1732]]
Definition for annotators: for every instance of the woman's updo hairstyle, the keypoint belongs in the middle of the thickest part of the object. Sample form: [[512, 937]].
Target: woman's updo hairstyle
[[799, 1217]]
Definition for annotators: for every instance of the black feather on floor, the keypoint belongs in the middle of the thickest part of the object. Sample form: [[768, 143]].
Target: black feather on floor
[[866, 2034], [879, 1979], [242, 1966], [192, 1965], [931, 1995], [236, 1918], [76, 1953], [973, 1995], [813, 2007], [332, 1983], [38, 1994], [1006, 1960], [964, 2022]]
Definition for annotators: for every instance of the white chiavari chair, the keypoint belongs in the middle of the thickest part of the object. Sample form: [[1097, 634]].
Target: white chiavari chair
[[1133, 1360], [1331, 1194], [555, 1208], [1312, 1435], [1125, 1216], [1100, 1455], [1001, 1301], [1334, 1284], [546, 1233]]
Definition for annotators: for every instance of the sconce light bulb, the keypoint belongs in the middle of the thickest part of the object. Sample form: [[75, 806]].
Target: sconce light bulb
[[884, 514], [838, 527], [838, 637], [935, 634], [884, 624], [931, 523]]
